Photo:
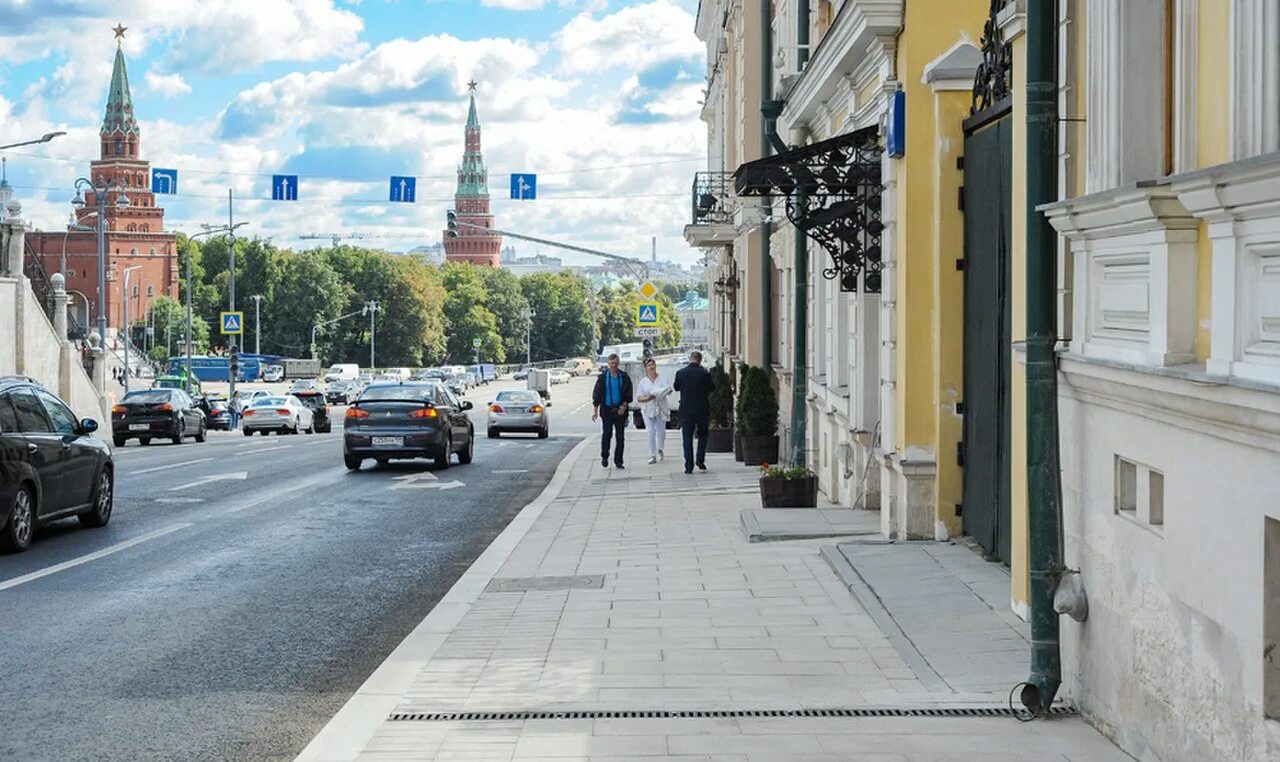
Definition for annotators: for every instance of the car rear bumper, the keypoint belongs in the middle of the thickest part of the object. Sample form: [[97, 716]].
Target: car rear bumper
[[518, 422], [253, 423], [161, 428], [417, 444]]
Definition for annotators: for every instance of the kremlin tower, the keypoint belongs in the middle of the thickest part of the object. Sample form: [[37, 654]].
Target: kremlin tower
[[471, 201]]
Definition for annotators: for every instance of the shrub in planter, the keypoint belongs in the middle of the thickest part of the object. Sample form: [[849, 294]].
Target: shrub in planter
[[788, 487], [720, 434], [758, 418]]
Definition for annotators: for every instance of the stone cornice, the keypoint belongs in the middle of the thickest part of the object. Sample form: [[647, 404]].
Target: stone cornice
[[1236, 190], [1129, 209]]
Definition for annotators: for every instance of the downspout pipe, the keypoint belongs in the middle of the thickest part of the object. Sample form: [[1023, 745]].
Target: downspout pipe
[[1043, 486], [769, 110], [800, 328]]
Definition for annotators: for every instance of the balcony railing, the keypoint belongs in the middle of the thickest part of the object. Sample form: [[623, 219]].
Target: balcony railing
[[713, 198]]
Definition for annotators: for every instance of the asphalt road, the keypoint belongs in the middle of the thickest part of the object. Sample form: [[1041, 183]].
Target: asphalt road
[[244, 589]]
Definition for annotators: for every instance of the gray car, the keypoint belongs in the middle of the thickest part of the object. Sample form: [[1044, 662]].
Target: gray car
[[406, 420], [518, 410]]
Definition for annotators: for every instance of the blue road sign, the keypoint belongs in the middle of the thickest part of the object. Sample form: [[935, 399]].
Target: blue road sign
[[403, 188], [524, 187], [164, 180], [232, 323], [284, 187], [646, 314]]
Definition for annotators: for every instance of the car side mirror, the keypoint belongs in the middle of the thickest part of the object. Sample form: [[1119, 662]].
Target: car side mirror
[[88, 426], [466, 405]]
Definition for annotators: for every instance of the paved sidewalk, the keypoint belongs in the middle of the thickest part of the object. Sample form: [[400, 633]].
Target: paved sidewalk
[[637, 591]]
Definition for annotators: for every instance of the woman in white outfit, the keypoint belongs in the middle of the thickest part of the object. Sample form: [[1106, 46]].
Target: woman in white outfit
[[652, 396]]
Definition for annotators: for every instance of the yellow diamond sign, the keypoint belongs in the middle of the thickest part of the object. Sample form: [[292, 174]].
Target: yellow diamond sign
[[647, 290]]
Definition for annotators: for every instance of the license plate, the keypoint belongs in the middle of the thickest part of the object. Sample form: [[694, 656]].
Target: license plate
[[388, 441], [138, 427], [517, 410]]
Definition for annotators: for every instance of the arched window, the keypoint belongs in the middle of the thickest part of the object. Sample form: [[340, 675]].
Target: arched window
[[133, 252], [141, 180], [132, 228], [146, 229], [151, 290], [119, 147], [153, 252]]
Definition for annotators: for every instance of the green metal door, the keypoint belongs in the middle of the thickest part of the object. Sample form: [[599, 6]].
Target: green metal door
[[987, 338]]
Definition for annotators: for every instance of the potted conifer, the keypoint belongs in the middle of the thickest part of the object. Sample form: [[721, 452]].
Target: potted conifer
[[758, 419], [739, 376], [720, 434], [788, 487]]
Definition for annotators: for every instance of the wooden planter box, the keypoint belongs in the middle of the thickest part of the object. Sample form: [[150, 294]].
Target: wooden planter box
[[789, 493], [720, 440], [757, 450]]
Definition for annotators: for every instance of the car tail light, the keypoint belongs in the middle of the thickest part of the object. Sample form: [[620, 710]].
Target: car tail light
[[282, 410], [425, 412], [215, 412], [247, 413], [355, 412], [163, 407], [495, 408], [119, 409], [536, 409]]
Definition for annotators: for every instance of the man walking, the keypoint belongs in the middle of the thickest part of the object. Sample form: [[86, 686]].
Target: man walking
[[609, 402], [694, 384]]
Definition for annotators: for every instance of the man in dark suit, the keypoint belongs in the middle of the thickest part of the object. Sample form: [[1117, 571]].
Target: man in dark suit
[[610, 399], [694, 384]]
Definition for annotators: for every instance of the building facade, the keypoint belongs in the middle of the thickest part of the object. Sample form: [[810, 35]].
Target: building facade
[[134, 225], [695, 320], [473, 243]]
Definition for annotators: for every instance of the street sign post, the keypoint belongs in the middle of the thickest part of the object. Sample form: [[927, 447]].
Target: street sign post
[[403, 189], [524, 186], [164, 180], [648, 290], [476, 343], [648, 332], [232, 323], [647, 314], [284, 187]]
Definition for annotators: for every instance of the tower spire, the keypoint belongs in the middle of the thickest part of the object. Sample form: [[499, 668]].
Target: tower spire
[[119, 117]]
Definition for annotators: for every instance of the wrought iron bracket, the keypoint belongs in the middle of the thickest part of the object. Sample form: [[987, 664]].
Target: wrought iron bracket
[[993, 81]]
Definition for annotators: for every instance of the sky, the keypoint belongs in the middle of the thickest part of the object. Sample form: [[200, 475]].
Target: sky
[[600, 99]]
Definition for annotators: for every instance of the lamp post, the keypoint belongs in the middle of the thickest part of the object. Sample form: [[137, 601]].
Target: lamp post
[[257, 324], [100, 192], [127, 340], [45, 138], [371, 307], [528, 336], [208, 230]]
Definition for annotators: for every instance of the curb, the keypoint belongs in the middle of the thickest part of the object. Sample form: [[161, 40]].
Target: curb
[[345, 736]]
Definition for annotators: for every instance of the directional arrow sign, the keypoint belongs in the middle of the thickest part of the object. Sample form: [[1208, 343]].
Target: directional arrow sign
[[524, 186], [233, 476], [284, 187], [414, 481], [164, 180], [403, 189]]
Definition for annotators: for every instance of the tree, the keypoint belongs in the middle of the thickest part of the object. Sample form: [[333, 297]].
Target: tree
[[169, 319], [309, 291], [564, 326], [508, 303], [619, 308], [467, 317]]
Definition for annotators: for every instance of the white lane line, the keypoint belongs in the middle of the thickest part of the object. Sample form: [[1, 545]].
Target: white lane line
[[171, 465], [12, 583], [261, 449], [291, 487], [314, 441], [179, 500], [579, 407], [232, 476], [510, 471]]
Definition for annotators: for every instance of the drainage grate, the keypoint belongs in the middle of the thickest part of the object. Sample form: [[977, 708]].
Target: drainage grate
[[697, 714], [525, 584]]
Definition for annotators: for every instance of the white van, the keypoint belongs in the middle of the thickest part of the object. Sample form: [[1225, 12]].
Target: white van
[[344, 371], [400, 374]]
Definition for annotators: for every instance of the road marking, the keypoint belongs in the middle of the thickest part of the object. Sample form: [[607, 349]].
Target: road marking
[[314, 441], [289, 487], [171, 465], [262, 449], [579, 407], [12, 583], [232, 476], [510, 471], [179, 500]]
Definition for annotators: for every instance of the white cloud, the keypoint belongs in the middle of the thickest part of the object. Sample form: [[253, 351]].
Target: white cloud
[[515, 5], [635, 38], [166, 85]]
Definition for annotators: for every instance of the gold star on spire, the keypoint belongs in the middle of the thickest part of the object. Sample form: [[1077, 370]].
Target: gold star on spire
[[120, 29], [472, 85]]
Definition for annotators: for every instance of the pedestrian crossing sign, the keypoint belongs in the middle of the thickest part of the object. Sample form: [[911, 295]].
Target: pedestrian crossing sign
[[647, 314], [232, 323]]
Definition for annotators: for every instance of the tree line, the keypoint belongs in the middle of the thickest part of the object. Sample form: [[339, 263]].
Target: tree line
[[427, 314]]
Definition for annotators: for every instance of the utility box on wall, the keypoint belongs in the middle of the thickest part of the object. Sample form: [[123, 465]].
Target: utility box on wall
[[895, 133]]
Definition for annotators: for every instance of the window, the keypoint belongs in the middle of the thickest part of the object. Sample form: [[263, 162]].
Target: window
[[146, 228], [31, 415], [151, 290], [119, 147], [132, 228], [135, 290], [64, 422], [8, 418], [153, 251], [133, 252]]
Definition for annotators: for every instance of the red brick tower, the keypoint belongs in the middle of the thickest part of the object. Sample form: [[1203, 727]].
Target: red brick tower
[[479, 247], [135, 233]]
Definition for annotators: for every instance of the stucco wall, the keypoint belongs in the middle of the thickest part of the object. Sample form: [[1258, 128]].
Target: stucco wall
[[1170, 659]]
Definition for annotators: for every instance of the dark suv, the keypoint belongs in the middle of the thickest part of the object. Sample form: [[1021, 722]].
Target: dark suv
[[319, 409], [50, 468]]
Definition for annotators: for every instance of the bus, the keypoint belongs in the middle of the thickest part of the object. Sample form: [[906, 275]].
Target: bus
[[215, 368]]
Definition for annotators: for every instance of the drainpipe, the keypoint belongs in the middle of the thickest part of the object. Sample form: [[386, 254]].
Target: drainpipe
[[1043, 487], [769, 110], [800, 331]]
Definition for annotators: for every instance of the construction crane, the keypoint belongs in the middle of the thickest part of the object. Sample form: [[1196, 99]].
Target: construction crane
[[339, 237]]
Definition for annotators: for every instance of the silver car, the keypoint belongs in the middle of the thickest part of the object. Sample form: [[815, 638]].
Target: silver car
[[518, 410], [283, 415]]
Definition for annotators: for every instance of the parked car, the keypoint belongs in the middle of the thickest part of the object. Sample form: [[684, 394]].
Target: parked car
[[412, 419], [343, 371], [560, 376], [157, 414], [517, 410], [457, 384], [273, 374], [218, 415], [520, 374], [283, 415], [319, 410], [50, 466], [580, 366], [304, 385], [336, 392]]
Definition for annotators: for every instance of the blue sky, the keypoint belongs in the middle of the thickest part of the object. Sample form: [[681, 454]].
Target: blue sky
[[601, 99]]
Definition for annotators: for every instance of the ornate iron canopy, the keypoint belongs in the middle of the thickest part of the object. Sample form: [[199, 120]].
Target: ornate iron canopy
[[833, 191], [993, 82]]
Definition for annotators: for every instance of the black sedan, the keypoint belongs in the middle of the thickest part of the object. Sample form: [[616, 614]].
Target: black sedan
[[50, 466], [319, 410], [156, 413], [217, 415], [408, 419]]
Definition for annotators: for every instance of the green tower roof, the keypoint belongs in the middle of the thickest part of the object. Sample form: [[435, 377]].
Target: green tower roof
[[119, 116]]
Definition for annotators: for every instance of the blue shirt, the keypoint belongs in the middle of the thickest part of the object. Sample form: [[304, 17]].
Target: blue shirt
[[612, 389]]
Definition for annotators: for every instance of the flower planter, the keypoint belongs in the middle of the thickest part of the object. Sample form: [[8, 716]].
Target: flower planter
[[789, 493], [757, 450], [737, 445], [720, 440]]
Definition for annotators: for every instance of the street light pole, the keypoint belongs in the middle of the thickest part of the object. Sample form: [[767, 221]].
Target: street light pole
[[100, 197], [372, 308], [257, 324], [45, 138], [208, 230], [127, 339], [528, 336]]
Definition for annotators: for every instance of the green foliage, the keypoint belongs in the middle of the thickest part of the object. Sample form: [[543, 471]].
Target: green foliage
[[721, 399], [757, 404], [468, 317], [787, 473], [508, 304], [169, 319], [618, 316], [564, 324]]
